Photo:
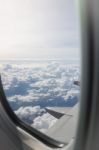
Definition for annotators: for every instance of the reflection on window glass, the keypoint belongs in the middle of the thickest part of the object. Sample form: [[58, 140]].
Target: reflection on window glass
[[40, 63]]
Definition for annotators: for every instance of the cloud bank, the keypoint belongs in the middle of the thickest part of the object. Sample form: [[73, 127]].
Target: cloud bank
[[32, 86]]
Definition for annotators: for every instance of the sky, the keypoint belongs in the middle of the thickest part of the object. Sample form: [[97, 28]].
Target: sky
[[39, 29]]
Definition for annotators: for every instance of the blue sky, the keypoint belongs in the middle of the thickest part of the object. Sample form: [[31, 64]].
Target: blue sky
[[39, 29]]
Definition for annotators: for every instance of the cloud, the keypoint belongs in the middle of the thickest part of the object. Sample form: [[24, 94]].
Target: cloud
[[39, 84], [32, 86], [36, 117], [28, 114], [44, 122]]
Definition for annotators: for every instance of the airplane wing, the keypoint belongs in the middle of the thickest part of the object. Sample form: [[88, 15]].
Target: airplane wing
[[67, 123], [58, 112]]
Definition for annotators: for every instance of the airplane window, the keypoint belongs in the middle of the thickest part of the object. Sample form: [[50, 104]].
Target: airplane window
[[40, 63]]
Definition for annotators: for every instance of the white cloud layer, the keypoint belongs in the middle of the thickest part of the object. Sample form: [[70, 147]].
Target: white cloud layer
[[32, 86]]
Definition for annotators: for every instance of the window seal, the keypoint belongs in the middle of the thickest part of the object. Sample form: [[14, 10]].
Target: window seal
[[86, 125]]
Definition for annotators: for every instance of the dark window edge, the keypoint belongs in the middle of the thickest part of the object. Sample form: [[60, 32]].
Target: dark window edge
[[32, 131]]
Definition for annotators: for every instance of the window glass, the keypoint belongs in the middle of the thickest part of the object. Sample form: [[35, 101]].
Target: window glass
[[40, 63]]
